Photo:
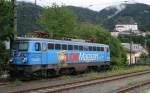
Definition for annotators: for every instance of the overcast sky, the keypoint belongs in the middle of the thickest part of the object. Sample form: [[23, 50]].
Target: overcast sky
[[91, 4]]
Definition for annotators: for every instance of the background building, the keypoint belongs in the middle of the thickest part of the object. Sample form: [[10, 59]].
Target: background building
[[133, 50]]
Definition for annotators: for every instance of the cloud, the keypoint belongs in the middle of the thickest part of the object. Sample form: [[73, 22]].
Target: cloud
[[91, 4]]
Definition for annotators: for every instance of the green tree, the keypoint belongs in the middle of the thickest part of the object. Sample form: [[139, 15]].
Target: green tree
[[99, 35], [59, 21], [6, 30], [135, 38], [6, 22], [144, 56]]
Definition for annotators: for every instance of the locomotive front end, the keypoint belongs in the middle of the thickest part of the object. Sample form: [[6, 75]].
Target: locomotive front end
[[19, 58]]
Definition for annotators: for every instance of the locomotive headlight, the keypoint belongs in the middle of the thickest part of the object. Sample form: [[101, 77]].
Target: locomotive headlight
[[24, 60], [11, 60]]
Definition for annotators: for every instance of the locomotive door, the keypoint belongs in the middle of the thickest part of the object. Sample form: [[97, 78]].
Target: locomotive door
[[44, 54]]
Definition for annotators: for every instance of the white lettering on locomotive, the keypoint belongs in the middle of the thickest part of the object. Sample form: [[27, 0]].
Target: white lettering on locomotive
[[88, 57]]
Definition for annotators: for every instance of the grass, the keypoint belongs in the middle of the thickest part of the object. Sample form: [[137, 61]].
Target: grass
[[132, 82], [115, 71], [17, 82], [65, 77]]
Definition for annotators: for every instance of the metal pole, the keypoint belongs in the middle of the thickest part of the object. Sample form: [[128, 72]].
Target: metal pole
[[35, 2], [130, 47], [14, 6]]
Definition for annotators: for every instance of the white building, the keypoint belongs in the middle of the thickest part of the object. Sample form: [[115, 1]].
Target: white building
[[115, 34], [133, 51], [126, 27]]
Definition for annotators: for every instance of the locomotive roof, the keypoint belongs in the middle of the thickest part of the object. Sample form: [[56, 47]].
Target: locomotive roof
[[62, 41]]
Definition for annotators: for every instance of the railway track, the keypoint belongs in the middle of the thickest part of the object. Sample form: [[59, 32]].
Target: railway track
[[132, 87], [2, 83], [79, 84]]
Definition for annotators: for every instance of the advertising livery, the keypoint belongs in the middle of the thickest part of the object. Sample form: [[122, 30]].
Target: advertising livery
[[30, 55]]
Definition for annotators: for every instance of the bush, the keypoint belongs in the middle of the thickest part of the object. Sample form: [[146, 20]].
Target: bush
[[4, 57]]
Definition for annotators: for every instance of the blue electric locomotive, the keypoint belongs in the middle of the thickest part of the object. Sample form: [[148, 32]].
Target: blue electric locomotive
[[31, 56]]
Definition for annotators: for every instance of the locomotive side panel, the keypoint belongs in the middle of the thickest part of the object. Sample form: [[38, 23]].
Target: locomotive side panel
[[55, 55]]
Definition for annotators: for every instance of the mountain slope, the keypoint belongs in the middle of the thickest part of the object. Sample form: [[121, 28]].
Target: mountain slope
[[84, 14], [108, 17], [27, 14], [139, 12]]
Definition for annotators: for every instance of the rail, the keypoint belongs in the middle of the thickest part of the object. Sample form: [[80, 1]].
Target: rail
[[79, 84]]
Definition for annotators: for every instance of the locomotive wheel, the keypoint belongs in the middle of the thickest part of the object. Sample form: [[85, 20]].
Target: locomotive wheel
[[37, 74]]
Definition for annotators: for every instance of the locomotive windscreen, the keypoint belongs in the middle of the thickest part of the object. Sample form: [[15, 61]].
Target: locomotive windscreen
[[20, 46]]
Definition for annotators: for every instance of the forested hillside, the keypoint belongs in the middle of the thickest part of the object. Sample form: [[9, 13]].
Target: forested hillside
[[84, 14], [108, 17], [27, 15], [138, 12]]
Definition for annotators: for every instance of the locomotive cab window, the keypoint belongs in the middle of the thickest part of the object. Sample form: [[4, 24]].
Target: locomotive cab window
[[37, 47], [20, 46], [44, 46]]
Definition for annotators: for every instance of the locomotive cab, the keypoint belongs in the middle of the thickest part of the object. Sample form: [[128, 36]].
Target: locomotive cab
[[19, 52], [31, 56], [26, 55]]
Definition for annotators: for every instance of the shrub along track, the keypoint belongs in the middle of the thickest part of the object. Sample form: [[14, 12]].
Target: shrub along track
[[79, 84]]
